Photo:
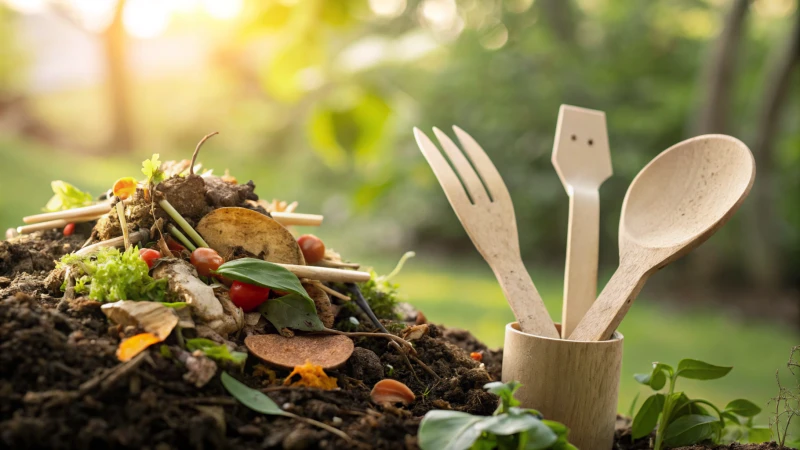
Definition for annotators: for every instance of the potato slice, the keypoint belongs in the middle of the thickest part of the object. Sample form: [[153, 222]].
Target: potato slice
[[229, 230]]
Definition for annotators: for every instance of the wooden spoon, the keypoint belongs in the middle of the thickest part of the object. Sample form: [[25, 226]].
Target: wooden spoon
[[673, 205], [583, 162]]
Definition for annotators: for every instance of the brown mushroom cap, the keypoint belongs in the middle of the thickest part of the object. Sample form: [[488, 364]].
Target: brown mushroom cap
[[228, 229], [327, 351]]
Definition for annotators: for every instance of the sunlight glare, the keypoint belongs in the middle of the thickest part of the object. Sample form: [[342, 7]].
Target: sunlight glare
[[94, 15], [387, 8], [495, 38], [440, 14], [26, 6], [145, 18], [223, 9]]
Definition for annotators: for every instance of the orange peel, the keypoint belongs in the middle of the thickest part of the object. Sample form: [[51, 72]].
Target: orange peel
[[125, 187], [136, 344], [311, 376]]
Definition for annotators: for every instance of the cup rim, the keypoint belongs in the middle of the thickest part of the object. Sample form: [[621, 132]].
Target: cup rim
[[513, 327]]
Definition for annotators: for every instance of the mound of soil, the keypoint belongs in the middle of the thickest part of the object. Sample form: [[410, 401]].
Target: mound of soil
[[61, 385]]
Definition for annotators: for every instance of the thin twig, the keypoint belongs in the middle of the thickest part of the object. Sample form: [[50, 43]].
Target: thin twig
[[319, 424], [123, 224], [330, 291], [197, 150], [389, 336]]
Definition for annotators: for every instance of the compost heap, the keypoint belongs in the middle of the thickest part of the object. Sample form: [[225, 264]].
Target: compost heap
[[82, 372]]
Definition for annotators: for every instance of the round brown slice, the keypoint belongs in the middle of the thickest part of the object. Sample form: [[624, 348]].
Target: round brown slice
[[235, 232], [327, 351]]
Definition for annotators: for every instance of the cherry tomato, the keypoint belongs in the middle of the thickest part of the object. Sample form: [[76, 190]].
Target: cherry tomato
[[149, 256], [69, 229], [312, 247], [173, 245], [205, 260], [247, 296]]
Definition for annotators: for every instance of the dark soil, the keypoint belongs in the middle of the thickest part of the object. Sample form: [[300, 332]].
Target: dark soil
[[61, 385]]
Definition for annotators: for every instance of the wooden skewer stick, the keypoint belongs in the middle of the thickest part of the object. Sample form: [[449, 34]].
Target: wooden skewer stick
[[327, 274], [332, 292], [93, 210], [52, 224], [336, 264], [306, 220]]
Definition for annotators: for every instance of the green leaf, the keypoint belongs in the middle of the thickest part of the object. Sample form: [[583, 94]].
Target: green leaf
[[151, 168], [67, 196], [265, 274], [647, 417], [251, 398], [682, 406], [292, 311], [642, 378], [506, 393], [633, 405], [448, 430], [742, 407], [689, 430], [215, 351], [757, 435], [175, 305], [538, 435], [699, 370]]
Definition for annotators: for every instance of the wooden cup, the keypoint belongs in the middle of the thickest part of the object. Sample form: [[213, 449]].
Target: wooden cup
[[572, 382]]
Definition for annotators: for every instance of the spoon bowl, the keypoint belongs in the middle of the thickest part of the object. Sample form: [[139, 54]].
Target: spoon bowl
[[674, 204]]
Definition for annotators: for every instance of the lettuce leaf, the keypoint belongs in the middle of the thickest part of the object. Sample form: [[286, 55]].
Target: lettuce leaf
[[67, 196]]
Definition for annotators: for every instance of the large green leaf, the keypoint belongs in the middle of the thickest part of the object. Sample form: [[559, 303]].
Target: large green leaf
[[690, 429], [699, 370], [647, 417], [265, 274], [742, 407], [251, 398], [448, 430], [682, 406], [292, 311]]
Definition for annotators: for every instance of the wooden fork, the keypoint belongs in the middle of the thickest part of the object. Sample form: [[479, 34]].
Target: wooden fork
[[488, 217]]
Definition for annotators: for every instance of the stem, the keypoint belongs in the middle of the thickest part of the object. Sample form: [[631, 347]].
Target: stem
[[178, 218], [389, 336], [123, 223], [181, 237], [665, 414], [197, 150], [316, 423]]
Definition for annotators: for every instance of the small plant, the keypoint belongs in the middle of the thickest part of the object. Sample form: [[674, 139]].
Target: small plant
[[787, 402], [681, 421], [510, 427], [380, 293]]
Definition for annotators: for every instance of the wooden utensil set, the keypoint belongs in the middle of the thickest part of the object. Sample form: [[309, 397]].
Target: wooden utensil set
[[675, 203]]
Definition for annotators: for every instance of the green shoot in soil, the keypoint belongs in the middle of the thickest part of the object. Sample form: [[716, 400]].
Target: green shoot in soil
[[680, 421]]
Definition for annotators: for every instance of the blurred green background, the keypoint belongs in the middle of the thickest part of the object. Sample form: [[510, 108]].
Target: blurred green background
[[315, 101]]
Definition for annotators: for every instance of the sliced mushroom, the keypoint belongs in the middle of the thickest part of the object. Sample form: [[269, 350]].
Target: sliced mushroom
[[322, 302], [231, 230]]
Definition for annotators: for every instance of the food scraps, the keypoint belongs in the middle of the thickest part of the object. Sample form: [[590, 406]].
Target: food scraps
[[311, 375]]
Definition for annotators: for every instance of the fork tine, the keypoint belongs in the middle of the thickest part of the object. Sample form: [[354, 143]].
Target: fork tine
[[447, 178], [494, 182], [468, 176]]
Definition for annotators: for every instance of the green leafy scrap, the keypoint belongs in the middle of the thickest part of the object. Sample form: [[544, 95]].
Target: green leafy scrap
[[217, 352], [151, 168], [511, 427], [251, 398], [110, 275], [67, 196], [292, 311]]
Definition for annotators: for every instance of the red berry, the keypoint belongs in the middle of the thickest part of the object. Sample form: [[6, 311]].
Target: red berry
[[149, 256], [205, 260], [69, 229], [173, 245], [312, 247], [247, 296]]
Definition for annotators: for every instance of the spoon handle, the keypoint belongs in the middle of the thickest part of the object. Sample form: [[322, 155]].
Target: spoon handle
[[580, 278], [609, 309], [524, 299]]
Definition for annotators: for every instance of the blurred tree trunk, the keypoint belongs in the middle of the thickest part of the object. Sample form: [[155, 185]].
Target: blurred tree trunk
[[762, 225], [560, 16], [716, 89], [114, 43]]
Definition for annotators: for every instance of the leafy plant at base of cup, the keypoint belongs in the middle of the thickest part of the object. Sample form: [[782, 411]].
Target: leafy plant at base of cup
[[511, 427], [681, 421]]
